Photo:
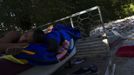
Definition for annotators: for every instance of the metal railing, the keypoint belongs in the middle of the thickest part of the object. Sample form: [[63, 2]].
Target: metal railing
[[72, 19]]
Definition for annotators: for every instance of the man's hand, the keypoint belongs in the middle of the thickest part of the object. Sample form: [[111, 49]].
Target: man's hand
[[13, 51]]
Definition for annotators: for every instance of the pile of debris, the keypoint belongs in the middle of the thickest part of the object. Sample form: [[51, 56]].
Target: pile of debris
[[121, 25]]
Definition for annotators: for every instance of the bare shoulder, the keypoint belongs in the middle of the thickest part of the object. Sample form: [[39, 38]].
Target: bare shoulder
[[11, 36]]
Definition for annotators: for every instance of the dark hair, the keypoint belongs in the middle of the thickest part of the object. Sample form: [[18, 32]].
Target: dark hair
[[38, 36]]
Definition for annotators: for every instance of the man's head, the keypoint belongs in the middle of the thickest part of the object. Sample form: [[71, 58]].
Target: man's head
[[36, 36]]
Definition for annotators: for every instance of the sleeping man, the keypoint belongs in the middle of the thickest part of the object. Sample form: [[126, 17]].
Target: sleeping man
[[36, 47]]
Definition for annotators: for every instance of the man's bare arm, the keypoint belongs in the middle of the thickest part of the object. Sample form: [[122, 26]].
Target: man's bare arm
[[10, 45]]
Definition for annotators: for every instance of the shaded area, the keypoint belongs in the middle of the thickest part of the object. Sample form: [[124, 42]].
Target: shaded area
[[27, 13], [89, 51]]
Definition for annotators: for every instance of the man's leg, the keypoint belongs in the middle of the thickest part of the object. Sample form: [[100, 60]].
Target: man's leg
[[10, 37], [7, 67], [10, 68]]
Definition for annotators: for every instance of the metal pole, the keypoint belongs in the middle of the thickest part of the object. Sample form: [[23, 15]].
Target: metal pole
[[100, 15], [71, 20], [110, 66], [73, 15]]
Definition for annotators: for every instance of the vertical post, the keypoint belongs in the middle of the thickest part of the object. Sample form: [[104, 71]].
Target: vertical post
[[100, 15], [71, 20], [104, 29], [110, 67]]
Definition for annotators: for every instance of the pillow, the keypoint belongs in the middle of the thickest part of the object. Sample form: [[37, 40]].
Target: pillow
[[63, 50]]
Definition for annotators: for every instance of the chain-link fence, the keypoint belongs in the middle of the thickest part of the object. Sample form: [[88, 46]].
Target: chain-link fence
[[87, 21]]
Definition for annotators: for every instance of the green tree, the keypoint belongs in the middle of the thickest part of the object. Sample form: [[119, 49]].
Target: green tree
[[25, 13]]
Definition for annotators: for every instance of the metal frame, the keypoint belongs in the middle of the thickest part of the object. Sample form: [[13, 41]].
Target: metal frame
[[111, 67], [73, 15]]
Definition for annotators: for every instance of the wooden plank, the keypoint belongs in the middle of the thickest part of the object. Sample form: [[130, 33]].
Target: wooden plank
[[90, 43], [92, 52], [89, 40], [92, 46]]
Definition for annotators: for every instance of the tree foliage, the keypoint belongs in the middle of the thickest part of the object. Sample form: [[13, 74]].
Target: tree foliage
[[25, 13]]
